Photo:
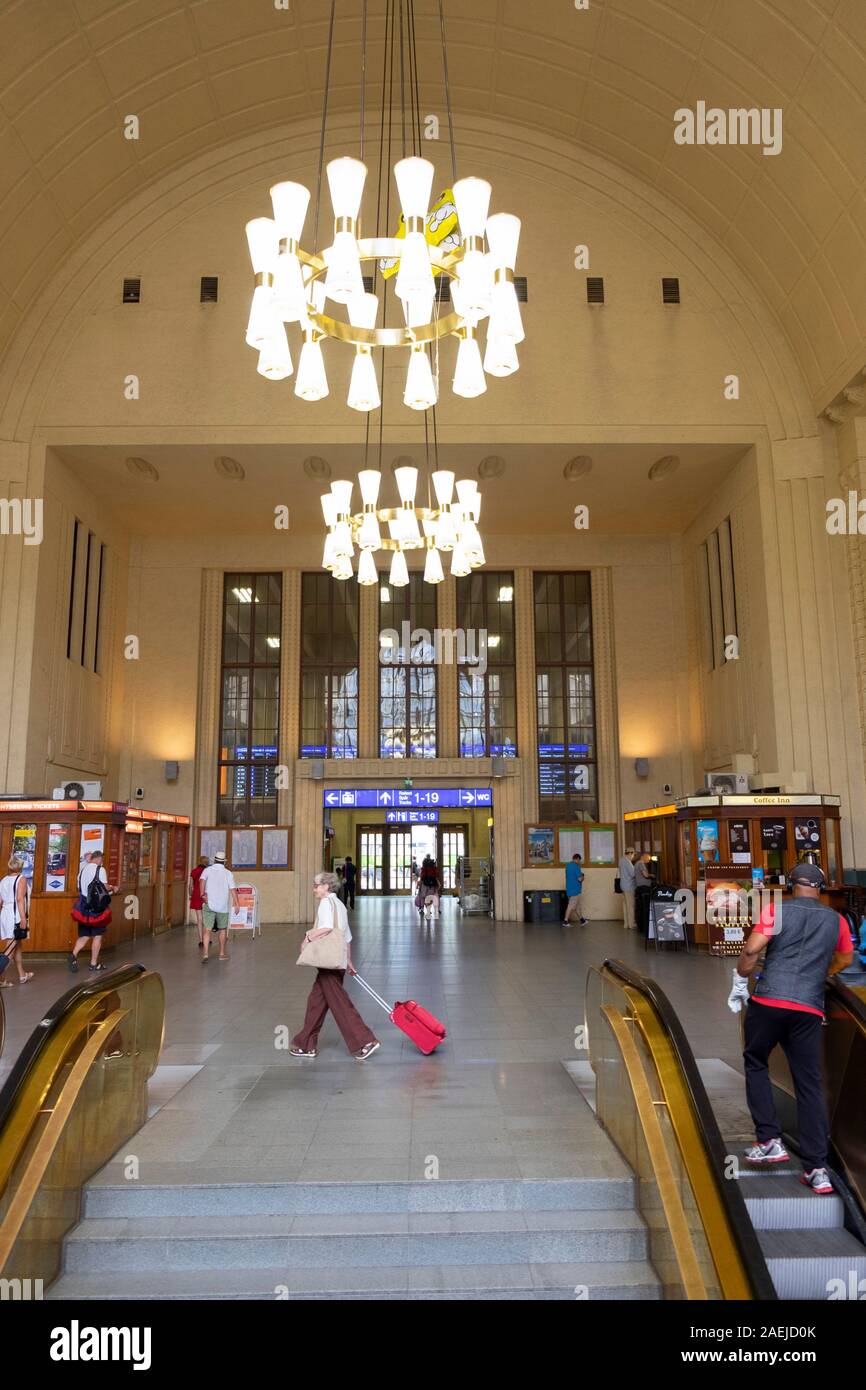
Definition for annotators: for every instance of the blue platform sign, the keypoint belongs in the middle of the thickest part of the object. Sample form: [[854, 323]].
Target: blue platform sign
[[412, 817], [445, 798]]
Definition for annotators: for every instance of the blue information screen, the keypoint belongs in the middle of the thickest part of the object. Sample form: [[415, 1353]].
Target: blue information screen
[[460, 798]]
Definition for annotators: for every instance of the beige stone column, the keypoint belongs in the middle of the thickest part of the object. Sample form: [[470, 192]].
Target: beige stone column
[[448, 742], [208, 714], [290, 693], [527, 721], [852, 478], [307, 842], [606, 718], [368, 672]]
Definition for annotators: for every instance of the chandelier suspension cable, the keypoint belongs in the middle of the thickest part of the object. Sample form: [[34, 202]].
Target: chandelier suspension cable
[[363, 74], [392, 6], [402, 83], [324, 123], [447, 94]]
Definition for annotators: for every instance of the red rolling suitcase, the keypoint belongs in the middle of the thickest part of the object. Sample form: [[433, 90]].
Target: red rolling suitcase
[[412, 1019]]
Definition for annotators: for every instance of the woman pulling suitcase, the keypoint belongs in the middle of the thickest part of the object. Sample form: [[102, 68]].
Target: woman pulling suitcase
[[326, 949]]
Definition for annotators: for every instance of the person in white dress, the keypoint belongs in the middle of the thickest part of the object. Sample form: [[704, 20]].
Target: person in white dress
[[14, 924]]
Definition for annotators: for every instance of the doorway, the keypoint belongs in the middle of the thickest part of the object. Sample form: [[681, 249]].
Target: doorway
[[384, 855]]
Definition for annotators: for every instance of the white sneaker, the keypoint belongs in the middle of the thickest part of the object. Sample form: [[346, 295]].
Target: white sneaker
[[773, 1151], [818, 1180]]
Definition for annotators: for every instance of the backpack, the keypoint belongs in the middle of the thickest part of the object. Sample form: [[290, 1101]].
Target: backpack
[[97, 898]]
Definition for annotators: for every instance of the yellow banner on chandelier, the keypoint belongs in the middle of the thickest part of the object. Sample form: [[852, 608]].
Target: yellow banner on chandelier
[[440, 229]]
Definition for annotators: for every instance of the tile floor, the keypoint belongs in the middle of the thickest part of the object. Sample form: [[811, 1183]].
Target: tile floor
[[229, 1104]]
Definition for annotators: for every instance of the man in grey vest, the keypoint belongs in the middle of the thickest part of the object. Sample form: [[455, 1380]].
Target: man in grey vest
[[809, 942]]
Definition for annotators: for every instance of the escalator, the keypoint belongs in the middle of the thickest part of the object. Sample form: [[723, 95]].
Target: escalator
[[75, 1094], [719, 1230]]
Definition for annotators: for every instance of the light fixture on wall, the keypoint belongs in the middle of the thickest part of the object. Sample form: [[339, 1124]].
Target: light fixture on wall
[[455, 236]]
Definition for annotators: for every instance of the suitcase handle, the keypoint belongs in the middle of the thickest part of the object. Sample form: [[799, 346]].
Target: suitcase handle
[[373, 995]]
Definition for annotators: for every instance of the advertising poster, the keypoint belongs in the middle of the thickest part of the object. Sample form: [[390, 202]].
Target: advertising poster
[[738, 831], [728, 914], [708, 841], [57, 856], [24, 846], [807, 835], [774, 834], [92, 840], [540, 842], [666, 921], [243, 917]]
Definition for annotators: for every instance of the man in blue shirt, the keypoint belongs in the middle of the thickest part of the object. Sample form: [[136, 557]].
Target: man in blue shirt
[[574, 888]]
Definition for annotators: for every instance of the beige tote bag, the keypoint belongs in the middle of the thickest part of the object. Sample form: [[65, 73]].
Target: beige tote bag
[[326, 952]]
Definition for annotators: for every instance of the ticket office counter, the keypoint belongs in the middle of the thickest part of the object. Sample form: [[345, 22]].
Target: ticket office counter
[[740, 839], [145, 855]]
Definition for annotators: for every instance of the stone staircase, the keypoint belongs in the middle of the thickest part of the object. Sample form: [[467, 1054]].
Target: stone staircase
[[475, 1239]]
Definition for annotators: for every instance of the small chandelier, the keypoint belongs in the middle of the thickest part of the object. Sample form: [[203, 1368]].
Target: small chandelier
[[456, 238], [449, 527]]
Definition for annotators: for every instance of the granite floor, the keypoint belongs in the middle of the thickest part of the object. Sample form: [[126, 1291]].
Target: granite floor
[[229, 1104]]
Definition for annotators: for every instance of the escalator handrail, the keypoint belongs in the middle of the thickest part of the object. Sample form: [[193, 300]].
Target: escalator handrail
[[38, 1040], [743, 1231], [853, 1003]]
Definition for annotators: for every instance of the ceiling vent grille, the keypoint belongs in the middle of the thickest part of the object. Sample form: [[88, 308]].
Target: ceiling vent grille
[[132, 292], [670, 290], [594, 289]]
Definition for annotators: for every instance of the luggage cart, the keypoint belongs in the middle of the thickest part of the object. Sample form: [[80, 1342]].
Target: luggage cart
[[474, 886]]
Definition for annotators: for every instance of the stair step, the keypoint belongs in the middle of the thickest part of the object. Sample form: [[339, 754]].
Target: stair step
[[803, 1262], [131, 1200], [786, 1204], [357, 1239], [602, 1281]]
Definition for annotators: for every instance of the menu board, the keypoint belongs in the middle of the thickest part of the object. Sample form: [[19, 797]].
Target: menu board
[[741, 852], [57, 859], [774, 834], [275, 849]]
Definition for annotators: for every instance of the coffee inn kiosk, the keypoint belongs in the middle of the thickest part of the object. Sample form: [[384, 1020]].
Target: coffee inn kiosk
[[146, 854], [750, 839]]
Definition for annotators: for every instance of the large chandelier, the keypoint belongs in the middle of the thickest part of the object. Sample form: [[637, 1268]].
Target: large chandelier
[[457, 238]]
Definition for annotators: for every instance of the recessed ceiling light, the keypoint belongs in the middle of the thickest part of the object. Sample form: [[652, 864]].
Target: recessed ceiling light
[[491, 467], [578, 467], [142, 468], [230, 469], [663, 467], [317, 468]]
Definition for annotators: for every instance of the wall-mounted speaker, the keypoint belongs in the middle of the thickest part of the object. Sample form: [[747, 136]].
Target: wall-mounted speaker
[[641, 767], [172, 771], [317, 769], [498, 765]]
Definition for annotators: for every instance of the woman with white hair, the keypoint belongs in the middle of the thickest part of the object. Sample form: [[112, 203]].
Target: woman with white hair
[[328, 992], [14, 924]]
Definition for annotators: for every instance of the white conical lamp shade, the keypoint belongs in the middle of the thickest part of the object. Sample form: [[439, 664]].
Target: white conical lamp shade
[[475, 285], [399, 575], [346, 184], [500, 355], [472, 197], [460, 565], [264, 322], [369, 481], [289, 294], [342, 567], [505, 319], [367, 573], [369, 536], [311, 382], [420, 392], [275, 359], [264, 244], [469, 372], [415, 276], [445, 532], [341, 489], [414, 181], [503, 235], [418, 308], [343, 280], [433, 573], [407, 482], [364, 386], [443, 486], [290, 202]]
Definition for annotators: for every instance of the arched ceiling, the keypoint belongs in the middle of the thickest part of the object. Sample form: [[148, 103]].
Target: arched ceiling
[[199, 73]]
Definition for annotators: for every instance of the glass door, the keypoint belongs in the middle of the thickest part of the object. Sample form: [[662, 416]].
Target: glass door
[[399, 861], [452, 846], [371, 849]]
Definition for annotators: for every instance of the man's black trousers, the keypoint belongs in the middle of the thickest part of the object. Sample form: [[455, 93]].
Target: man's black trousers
[[799, 1036]]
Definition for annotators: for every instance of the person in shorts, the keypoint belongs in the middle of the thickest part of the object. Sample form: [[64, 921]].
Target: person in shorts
[[92, 925], [14, 917], [218, 891]]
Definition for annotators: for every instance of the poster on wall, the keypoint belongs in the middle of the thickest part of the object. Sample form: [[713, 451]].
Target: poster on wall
[[56, 859], [708, 841], [602, 846], [211, 843], [245, 849], [540, 844], [570, 843], [275, 849], [92, 840], [24, 847], [741, 852], [807, 835], [180, 833], [774, 834]]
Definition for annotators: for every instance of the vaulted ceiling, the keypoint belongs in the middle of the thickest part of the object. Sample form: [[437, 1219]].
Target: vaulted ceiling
[[199, 73]]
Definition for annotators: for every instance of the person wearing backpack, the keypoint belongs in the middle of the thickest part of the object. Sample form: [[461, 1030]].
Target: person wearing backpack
[[14, 925], [92, 911]]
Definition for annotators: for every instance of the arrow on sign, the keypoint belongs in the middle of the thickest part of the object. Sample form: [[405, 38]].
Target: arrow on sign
[[385, 798], [467, 798], [331, 798]]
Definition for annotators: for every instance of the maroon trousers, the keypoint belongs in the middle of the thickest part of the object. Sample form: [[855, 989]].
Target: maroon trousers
[[328, 993]]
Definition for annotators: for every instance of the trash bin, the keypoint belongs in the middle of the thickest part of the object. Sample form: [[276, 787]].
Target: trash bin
[[544, 905]]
